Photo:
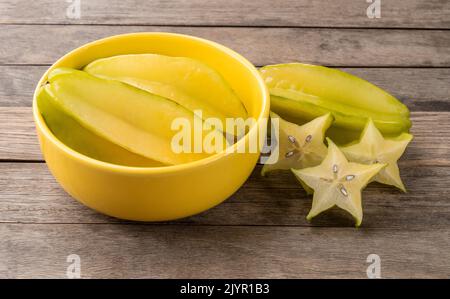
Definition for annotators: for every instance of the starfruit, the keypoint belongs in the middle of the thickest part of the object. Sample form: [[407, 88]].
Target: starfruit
[[374, 148], [298, 146], [186, 81], [337, 182], [302, 92], [132, 118], [82, 140]]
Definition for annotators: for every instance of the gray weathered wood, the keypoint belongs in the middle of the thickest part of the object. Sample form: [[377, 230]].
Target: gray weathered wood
[[17, 84], [29, 194], [421, 89], [18, 135], [130, 251], [43, 44], [18, 141], [275, 200], [322, 13], [261, 231]]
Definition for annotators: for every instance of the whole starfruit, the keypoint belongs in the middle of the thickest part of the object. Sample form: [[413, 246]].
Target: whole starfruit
[[302, 92]]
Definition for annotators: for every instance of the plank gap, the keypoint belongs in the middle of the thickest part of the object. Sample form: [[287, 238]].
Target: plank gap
[[219, 26]]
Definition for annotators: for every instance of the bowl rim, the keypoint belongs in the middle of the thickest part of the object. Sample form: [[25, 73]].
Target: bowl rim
[[43, 128]]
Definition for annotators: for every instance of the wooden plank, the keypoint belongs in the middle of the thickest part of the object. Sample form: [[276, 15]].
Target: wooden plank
[[29, 194], [148, 251], [18, 141], [43, 44], [17, 84], [421, 89], [259, 232], [343, 13]]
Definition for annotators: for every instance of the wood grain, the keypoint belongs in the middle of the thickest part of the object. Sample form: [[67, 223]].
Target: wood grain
[[148, 251], [30, 194], [261, 231], [319, 13], [44, 44], [421, 89], [17, 84], [18, 141]]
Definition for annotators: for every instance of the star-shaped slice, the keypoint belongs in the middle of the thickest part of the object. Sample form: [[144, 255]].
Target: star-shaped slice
[[337, 182], [299, 146], [374, 148]]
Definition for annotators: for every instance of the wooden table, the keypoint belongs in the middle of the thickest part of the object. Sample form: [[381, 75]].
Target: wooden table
[[261, 231]]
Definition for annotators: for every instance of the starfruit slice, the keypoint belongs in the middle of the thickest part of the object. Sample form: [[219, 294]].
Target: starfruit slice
[[302, 92], [186, 81], [374, 148], [81, 140], [299, 146], [337, 182], [134, 119]]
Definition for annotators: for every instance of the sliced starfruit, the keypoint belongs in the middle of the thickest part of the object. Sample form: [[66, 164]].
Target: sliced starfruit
[[134, 119], [186, 81], [299, 146], [302, 92], [80, 139], [337, 182], [374, 148]]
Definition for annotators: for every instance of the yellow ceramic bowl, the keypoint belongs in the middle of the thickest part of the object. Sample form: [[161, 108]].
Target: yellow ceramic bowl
[[159, 193]]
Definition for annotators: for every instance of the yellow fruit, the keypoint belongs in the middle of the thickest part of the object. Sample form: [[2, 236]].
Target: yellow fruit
[[299, 146], [80, 139], [374, 148], [186, 81], [337, 182], [301, 92], [127, 116]]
